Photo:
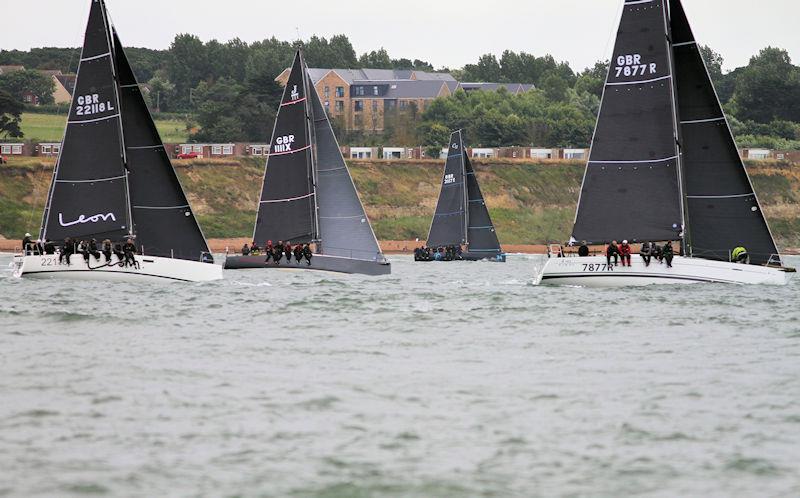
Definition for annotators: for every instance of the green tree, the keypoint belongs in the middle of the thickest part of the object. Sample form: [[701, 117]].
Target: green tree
[[162, 92], [555, 88], [20, 82], [376, 60], [486, 70], [188, 66], [226, 112], [768, 88], [10, 116]]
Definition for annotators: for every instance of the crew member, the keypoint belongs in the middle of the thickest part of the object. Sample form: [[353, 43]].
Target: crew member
[[107, 250], [92, 248], [67, 250], [245, 250], [612, 251], [49, 247], [277, 254], [83, 248], [268, 250], [287, 250], [739, 255], [667, 253], [26, 244], [298, 253], [646, 252], [307, 253], [128, 250], [625, 253], [583, 250]]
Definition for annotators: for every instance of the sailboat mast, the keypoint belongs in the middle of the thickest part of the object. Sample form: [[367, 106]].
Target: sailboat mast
[[677, 133], [312, 173], [115, 90]]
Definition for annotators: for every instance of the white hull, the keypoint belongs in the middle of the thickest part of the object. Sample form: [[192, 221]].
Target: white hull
[[151, 269], [594, 272]]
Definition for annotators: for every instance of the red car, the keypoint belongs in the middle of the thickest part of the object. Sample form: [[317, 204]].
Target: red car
[[3, 160], [188, 155]]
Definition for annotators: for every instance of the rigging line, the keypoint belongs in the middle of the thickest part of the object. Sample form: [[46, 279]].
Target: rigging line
[[289, 151], [638, 2], [145, 147], [331, 169], [93, 180], [94, 120], [620, 83], [449, 214], [481, 228], [682, 44], [288, 199], [341, 217]]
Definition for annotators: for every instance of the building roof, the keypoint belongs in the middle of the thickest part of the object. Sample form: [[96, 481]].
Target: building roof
[[406, 89], [493, 87], [67, 80], [49, 72], [361, 75], [11, 69]]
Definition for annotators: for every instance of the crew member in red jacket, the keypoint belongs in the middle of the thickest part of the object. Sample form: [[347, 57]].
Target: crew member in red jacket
[[625, 253]]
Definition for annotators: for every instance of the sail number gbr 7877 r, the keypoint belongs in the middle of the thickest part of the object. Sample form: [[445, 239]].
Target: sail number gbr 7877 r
[[631, 65], [90, 104]]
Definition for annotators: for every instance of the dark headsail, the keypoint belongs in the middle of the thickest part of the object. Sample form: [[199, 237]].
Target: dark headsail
[[631, 188], [287, 208], [481, 235], [89, 194], [344, 229], [163, 220], [449, 221], [722, 209]]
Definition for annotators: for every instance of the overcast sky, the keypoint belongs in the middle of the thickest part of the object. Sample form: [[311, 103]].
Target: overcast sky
[[445, 33]]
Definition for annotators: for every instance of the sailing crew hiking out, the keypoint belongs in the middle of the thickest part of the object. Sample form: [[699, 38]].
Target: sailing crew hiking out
[[461, 217], [663, 149], [113, 179], [308, 196], [446, 253]]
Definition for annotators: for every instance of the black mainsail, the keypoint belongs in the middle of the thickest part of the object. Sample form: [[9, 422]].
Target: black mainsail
[[631, 188], [461, 215], [287, 210], [308, 194], [723, 211], [113, 178]]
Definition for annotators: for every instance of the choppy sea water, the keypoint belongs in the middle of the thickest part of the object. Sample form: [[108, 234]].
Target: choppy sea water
[[443, 379]]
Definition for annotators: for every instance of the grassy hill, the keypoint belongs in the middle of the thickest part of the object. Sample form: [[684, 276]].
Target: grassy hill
[[50, 128], [530, 202]]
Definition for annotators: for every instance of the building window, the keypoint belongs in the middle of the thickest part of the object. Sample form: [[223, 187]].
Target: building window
[[5, 149], [197, 148], [327, 92], [16, 149], [358, 105], [216, 149], [255, 150], [374, 106], [375, 91], [327, 105], [45, 149], [339, 106], [360, 91], [403, 105], [227, 150], [340, 92]]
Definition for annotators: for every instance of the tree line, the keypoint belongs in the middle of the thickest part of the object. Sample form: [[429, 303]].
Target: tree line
[[227, 92]]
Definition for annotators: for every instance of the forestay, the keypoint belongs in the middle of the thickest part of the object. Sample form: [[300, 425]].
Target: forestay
[[631, 188], [722, 209]]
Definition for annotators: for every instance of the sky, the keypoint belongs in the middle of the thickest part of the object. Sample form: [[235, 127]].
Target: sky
[[445, 33]]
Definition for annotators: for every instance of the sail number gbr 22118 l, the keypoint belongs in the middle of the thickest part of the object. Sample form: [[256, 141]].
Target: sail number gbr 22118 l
[[90, 104], [631, 65]]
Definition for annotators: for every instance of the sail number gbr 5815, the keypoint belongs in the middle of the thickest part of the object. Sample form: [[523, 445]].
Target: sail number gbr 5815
[[90, 104], [631, 65]]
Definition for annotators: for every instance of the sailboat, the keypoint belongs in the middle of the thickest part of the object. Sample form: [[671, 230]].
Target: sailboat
[[664, 166], [308, 195], [461, 216], [113, 179]]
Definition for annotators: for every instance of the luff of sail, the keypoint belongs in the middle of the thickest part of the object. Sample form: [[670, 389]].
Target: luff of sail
[[287, 208], [448, 226], [164, 223], [723, 211], [631, 188], [344, 229], [88, 194], [481, 235]]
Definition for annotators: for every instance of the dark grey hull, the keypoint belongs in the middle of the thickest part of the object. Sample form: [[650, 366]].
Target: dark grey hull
[[476, 256], [319, 262]]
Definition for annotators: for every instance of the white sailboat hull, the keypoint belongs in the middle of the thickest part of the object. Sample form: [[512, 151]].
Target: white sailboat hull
[[595, 272], [151, 269]]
